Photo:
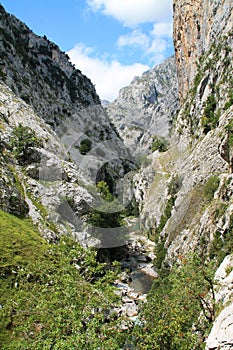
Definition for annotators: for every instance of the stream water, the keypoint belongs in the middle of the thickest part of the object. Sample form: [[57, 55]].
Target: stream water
[[141, 282], [137, 275]]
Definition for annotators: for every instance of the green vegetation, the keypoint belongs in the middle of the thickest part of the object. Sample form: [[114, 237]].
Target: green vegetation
[[211, 187], [85, 146], [107, 215], [104, 191], [19, 242], [221, 86], [166, 213], [210, 117], [160, 144], [22, 138], [174, 305], [229, 128], [222, 244], [160, 252], [229, 103], [54, 296], [173, 188], [105, 219]]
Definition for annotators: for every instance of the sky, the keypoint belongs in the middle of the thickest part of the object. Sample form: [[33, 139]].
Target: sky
[[110, 41]]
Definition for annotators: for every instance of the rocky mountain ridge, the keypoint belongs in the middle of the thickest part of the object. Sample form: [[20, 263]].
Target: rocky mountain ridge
[[146, 107], [37, 70]]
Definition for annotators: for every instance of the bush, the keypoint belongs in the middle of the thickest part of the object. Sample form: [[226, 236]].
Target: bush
[[22, 138], [85, 146], [104, 191], [159, 144], [229, 129], [173, 308], [210, 117], [222, 244], [211, 187]]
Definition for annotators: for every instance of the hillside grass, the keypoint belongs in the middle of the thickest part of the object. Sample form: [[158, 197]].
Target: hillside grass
[[53, 296], [20, 242]]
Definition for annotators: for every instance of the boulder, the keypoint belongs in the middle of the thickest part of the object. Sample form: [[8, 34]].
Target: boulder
[[221, 335]]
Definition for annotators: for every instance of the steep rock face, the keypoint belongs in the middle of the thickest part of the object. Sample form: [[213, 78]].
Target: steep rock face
[[221, 335], [44, 175], [146, 107], [56, 140], [197, 24], [200, 148], [38, 72], [185, 194]]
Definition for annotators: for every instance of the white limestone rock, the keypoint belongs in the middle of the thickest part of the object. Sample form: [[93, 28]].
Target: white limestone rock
[[221, 335]]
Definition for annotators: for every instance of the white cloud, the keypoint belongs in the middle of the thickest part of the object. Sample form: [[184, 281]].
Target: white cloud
[[135, 38], [154, 44], [108, 76], [158, 45], [133, 12], [163, 29]]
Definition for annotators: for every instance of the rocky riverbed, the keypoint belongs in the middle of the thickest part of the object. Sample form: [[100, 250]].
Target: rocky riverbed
[[135, 280]]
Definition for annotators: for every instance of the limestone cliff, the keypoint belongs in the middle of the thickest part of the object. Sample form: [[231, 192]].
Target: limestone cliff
[[186, 193], [197, 25], [146, 107]]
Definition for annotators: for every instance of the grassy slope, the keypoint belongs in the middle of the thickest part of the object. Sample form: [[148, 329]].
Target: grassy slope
[[48, 293]]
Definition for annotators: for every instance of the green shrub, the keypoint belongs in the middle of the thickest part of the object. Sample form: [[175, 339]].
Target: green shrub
[[229, 128], [210, 117], [160, 252], [104, 191], [160, 144], [222, 244], [22, 138], [229, 103], [173, 308], [211, 187], [85, 146], [167, 213]]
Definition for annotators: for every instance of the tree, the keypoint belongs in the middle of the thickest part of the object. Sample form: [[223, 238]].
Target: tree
[[22, 139], [85, 146]]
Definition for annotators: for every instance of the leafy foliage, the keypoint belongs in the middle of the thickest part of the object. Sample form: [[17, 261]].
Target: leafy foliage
[[159, 144], [222, 244], [173, 188], [104, 191], [22, 139], [210, 117], [229, 128], [174, 304], [211, 187], [85, 146], [229, 103]]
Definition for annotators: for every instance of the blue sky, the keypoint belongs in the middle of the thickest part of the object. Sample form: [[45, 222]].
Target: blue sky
[[111, 41]]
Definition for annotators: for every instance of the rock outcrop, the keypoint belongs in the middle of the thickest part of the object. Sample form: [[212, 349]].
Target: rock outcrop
[[221, 335], [197, 25], [146, 107]]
